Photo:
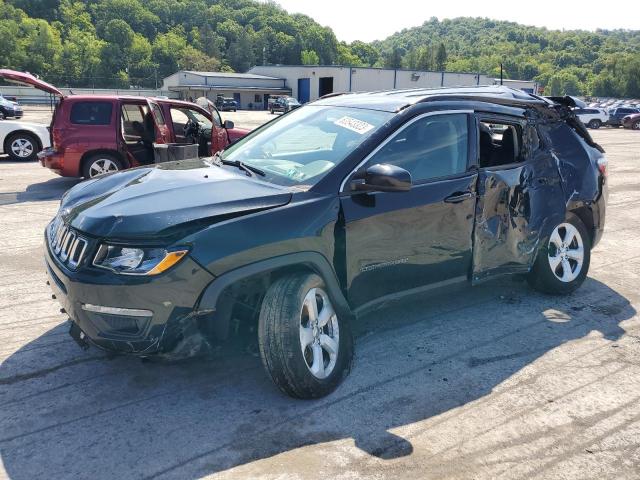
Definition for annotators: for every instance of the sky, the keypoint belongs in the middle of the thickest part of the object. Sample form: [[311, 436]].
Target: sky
[[374, 20]]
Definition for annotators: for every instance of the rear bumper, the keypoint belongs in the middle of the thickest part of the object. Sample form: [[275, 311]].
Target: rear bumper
[[138, 316], [52, 160]]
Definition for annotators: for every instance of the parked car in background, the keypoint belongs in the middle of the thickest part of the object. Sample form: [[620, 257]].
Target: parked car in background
[[592, 117], [617, 114], [632, 121], [226, 104], [91, 135], [282, 104], [9, 108], [325, 213], [23, 140]]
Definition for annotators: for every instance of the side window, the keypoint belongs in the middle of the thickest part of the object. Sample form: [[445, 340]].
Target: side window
[[431, 147], [215, 116], [91, 113], [500, 143], [133, 119], [157, 114]]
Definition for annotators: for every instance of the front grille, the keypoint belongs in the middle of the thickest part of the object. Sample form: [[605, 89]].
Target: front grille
[[66, 245]]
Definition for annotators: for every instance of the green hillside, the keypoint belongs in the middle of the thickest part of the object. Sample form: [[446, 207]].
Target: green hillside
[[138, 42]]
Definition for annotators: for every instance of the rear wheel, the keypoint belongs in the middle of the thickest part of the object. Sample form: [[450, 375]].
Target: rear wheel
[[305, 346], [595, 124], [563, 263], [22, 146], [100, 164]]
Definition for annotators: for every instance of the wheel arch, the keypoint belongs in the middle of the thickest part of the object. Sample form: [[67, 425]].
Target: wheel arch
[[585, 214], [218, 299]]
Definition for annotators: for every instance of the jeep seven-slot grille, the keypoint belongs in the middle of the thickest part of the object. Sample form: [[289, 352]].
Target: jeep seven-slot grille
[[67, 246]]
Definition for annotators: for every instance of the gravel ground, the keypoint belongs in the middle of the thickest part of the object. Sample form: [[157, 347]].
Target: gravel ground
[[495, 381]]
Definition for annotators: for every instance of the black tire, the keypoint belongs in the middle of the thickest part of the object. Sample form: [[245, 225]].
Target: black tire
[[595, 124], [279, 339], [89, 165], [27, 142], [272, 112], [544, 279], [635, 125]]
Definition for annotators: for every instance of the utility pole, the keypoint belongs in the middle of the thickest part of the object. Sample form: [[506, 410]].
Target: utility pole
[[501, 75]]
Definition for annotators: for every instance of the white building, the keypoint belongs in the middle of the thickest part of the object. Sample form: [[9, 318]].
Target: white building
[[309, 82], [251, 91]]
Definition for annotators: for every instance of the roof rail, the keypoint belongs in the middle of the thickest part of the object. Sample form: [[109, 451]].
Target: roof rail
[[334, 94]]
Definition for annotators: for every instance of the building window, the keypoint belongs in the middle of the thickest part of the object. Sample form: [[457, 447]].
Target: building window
[[257, 98]]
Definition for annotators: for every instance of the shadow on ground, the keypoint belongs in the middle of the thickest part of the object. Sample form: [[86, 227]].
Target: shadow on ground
[[66, 413], [37, 192]]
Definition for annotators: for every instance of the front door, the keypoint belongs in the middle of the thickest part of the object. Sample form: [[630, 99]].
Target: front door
[[394, 242]]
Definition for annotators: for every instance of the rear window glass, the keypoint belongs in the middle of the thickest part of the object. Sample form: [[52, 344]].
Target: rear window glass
[[91, 113]]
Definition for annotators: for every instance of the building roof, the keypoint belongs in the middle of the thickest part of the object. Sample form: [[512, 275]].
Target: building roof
[[395, 100], [250, 76]]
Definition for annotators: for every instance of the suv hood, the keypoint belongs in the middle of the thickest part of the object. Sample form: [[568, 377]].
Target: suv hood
[[150, 203]]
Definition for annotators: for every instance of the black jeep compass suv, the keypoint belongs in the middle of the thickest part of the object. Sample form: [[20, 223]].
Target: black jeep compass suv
[[323, 213]]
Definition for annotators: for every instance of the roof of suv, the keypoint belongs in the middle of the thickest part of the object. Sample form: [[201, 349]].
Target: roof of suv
[[111, 98], [395, 100]]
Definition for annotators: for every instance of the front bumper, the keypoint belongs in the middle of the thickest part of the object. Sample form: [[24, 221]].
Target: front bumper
[[12, 113], [52, 160], [170, 298]]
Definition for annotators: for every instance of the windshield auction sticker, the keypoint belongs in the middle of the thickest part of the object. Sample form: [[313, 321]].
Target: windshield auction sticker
[[354, 124]]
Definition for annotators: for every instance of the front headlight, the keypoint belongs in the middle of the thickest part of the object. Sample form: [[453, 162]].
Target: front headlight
[[137, 261]]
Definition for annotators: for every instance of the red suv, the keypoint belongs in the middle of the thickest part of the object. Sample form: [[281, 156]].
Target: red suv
[[96, 134]]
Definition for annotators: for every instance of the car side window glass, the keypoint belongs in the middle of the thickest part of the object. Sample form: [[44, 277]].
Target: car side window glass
[[91, 113], [430, 147], [500, 143], [132, 119], [215, 116], [157, 114]]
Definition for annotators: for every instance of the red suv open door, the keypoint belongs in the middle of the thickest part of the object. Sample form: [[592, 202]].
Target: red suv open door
[[23, 78], [163, 134]]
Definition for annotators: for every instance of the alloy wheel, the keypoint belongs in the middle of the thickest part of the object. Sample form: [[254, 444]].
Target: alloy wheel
[[566, 252], [319, 333], [22, 147], [102, 166], [636, 126]]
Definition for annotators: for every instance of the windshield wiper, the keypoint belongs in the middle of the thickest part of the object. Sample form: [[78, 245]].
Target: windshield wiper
[[249, 169]]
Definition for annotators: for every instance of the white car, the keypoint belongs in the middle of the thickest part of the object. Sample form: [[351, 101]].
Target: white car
[[23, 140], [592, 117]]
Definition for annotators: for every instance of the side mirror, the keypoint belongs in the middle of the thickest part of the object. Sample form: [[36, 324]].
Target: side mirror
[[228, 124], [383, 177]]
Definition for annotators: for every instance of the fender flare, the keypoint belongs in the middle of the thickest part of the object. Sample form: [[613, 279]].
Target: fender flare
[[313, 260]]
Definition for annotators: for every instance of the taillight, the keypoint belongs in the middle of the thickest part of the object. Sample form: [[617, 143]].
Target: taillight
[[56, 138], [602, 165]]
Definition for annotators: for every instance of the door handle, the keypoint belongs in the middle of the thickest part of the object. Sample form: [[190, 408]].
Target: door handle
[[458, 197]]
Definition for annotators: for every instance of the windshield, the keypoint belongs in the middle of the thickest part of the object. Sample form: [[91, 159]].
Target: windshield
[[303, 146]]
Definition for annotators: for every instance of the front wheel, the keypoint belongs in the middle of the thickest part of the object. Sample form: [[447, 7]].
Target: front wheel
[[305, 346], [595, 124], [563, 263], [636, 125]]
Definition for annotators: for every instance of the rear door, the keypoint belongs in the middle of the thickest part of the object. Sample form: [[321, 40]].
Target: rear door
[[519, 200], [163, 134]]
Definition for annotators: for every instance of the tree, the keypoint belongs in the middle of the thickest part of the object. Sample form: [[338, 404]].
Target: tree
[[441, 57], [309, 57]]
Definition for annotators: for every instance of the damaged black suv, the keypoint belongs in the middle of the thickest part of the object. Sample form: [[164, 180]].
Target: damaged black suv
[[320, 215]]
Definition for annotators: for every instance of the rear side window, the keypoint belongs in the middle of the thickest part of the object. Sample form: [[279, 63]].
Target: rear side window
[[91, 113], [157, 114]]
